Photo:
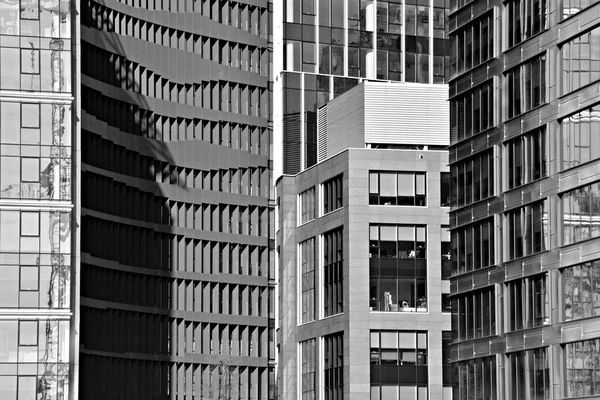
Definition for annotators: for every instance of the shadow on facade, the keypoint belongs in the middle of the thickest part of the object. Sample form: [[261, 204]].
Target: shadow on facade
[[125, 223]]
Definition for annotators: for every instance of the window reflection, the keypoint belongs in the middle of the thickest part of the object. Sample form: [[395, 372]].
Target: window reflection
[[583, 364], [579, 141], [581, 61], [582, 291], [581, 209]]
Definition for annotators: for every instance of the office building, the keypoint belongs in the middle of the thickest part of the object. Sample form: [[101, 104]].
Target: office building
[[363, 247], [175, 281], [524, 161], [324, 47], [37, 204]]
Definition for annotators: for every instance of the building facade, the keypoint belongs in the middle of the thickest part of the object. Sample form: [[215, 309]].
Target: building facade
[[38, 170], [524, 218], [324, 47], [176, 220], [364, 261]]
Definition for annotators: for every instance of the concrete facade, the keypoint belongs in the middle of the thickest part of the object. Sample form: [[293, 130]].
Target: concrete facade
[[355, 216]]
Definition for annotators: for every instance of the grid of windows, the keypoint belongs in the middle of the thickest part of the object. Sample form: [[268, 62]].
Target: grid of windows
[[473, 246], [397, 188], [581, 208], [472, 112], [526, 86], [579, 141], [527, 158], [308, 205], [529, 374], [476, 314], [35, 359], [475, 379], [398, 268], [472, 45], [308, 372], [333, 365], [528, 302], [582, 368], [333, 272], [308, 261], [399, 365], [472, 179], [581, 61], [526, 18], [581, 288], [527, 229], [332, 194]]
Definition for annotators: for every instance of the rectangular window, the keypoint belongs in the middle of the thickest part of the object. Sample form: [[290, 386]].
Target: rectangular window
[[572, 7], [472, 45], [476, 313], [446, 360], [308, 372], [526, 18], [307, 205], [582, 368], [581, 61], [472, 112], [581, 209], [398, 268], [445, 185], [332, 194], [579, 141], [399, 364], [307, 261], [527, 230], [402, 188], [581, 288], [446, 253], [473, 246], [333, 272], [528, 302], [529, 373], [333, 365], [528, 158], [475, 379], [472, 179], [526, 86]]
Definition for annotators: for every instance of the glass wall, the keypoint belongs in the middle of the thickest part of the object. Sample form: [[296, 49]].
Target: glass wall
[[581, 208], [529, 374], [527, 158], [399, 365], [526, 86], [398, 268], [473, 246], [472, 45], [579, 141], [528, 302], [475, 313], [583, 364], [472, 180], [581, 61], [527, 230], [472, 112], [526, 18], [581, 288], [475, 379]]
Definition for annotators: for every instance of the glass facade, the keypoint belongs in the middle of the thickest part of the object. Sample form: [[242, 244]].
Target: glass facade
[[526, 86], [527, 230], [529, 374], [528, 302], [336, 43], [581, 61], [398, 268], [399, 365], [528, 157], [36, 192], [579, 143], [581, 208], [581, 288], [475, 379], [583, 364]]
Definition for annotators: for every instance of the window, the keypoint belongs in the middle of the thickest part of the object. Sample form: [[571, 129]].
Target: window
[[529, 373], [472, 180], [446, 303], [333, 365], [308, 356], [582, 368], [307, 261], [472, 112], [446, 253], [528, 302], [581, 208], [526, 86], [402, 188], [399, 365], [445, 189], [572, 7], [333, 272], [526, 18], [579, 142], [307, 205], [476, 312], [472, 45], [398, 268], [527, 230], [446, 359], [581, 61], [527, 158], [581, 290], [473, 246], [332, 194], [475, 379]]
